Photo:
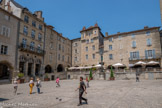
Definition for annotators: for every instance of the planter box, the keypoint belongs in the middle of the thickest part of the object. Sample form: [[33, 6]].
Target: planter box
[[46, 79], [21, 81], [112, 78]]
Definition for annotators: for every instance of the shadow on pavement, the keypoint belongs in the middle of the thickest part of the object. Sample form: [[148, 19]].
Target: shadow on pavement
[[2, 99]]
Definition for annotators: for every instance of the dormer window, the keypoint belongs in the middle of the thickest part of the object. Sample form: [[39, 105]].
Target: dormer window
[[26, 19]]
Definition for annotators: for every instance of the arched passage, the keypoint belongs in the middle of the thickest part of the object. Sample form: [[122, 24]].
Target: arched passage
[[60, 68], [5, 70], [48, 69]]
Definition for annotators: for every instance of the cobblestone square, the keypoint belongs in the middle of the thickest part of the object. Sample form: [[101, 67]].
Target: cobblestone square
[[101, 94]]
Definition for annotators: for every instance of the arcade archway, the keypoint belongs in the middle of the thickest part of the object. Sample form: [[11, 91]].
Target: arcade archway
[[60, 68]]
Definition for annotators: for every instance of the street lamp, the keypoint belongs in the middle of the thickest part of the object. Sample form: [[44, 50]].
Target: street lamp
[[101, 51]]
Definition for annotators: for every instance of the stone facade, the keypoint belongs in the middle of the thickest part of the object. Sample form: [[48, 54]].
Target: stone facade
[[76, 52], [8, 44], [88, 49], [31, 44], [131, 47], [58, 54], [39, 49]]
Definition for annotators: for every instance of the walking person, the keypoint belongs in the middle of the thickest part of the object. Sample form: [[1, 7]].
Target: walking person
[[87, 80], [137, 78], [15, 82], [58, 82], [82, 89], [38, 85], [31, 85]]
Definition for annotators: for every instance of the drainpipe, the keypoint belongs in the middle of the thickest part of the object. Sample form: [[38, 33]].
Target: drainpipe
[[44, 43], [17, 45]]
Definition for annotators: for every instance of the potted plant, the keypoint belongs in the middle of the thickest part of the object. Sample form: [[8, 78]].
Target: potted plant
[[46, 78], [21, 77], [90, 75], [112, 74]]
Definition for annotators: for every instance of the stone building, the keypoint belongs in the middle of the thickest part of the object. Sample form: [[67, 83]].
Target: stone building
[[64, 52], [76, 52], [130, 47], [58, 54], [90, 46], [9, 25]]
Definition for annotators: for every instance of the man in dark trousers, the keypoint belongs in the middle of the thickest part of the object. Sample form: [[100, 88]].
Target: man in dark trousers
[[82, 89]]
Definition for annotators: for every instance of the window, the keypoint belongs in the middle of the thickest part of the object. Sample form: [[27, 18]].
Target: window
[[91, 40], [34, 23], [110, 47], [60, 47], [33, 34], [40, 37], [25, 30], [76, 51], [147, 33], [40, 27], [76, 44], [150, 54], [120, 37], [63, 58], [133, 35], [4, 49], [68, 59], [58, 38], [95, 32], [110, 56], [93, 47], [51, 45], [5, 31], [93, 56], [32, 46], [39, 48], [50, 57], [87, 41], [83, 35], [89, 34], [63, 41], [24, 43], [133, 44], [26, 19], [121, 46], [86, 57], [149, 43], [58, 56], [7, 17], [86, 48], [110, 39], [76, 59], [134, 55]]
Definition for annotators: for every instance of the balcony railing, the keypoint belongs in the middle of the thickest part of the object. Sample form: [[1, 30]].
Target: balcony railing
[[31, 49], [145, 58]]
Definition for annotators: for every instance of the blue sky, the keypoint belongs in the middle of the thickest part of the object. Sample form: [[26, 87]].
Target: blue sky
[[69, 16]]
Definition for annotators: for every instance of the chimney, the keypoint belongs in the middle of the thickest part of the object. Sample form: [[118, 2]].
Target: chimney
[[61, 34], [8, 6], [96, 25], [84, 28], [146, 27], [106, 34], [118, 32], [39, 15]]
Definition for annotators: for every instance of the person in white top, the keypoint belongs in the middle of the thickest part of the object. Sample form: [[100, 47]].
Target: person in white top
[[15, 83]]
